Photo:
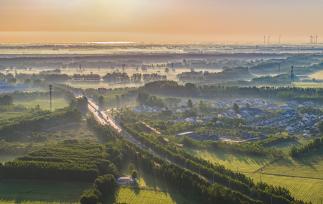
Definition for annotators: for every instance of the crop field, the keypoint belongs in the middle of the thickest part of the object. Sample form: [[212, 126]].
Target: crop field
[[4, 116], [309, 190], [43, 103], [304, 178], [293, 168], [32, 191], [151, 190], [138, 196], [235, 162]]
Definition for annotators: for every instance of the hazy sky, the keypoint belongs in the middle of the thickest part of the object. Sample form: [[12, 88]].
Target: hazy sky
[[159, 20]]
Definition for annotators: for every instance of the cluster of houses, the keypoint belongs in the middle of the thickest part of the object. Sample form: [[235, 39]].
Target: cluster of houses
[[86, 77], [122, 77], [292, 121]]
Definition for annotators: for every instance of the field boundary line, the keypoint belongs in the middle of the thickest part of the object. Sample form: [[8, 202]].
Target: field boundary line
[[267, 164], [293, 176]]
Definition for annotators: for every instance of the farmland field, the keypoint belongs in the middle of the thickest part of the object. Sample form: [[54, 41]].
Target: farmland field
[[297, 169], [128, 195], [43, 103], [151, 190], [10, 115], [235, 162], [309, 190], [31, 191], [304, 178]]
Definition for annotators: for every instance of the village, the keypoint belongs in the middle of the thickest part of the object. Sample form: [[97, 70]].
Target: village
[[255, 114]]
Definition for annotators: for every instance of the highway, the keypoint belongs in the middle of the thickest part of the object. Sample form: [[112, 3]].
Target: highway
[[104, 118]]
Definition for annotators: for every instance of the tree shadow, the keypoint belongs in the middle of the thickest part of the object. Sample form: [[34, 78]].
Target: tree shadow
[[160, 185]]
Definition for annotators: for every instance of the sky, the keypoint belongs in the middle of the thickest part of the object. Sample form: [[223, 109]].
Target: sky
[[160, 21]]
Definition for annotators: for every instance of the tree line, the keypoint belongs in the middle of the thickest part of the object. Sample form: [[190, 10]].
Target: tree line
[[36, 121], [316, 144], [216, 173], [172, 88]]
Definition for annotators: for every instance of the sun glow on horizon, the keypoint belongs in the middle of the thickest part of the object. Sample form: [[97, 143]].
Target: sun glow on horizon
[[159, 20]]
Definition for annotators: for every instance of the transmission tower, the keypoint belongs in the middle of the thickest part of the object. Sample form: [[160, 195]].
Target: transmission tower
[[50, 97]]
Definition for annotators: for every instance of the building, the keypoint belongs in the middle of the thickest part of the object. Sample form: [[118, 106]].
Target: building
[[125, 181]]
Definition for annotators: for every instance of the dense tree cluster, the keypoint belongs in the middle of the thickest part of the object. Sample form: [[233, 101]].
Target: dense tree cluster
[[70, 160], [5, 100], [36, 121], [172, 88], [307, 148], [147, 99], [104, 187]]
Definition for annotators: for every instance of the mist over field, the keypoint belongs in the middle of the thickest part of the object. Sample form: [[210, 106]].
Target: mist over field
[[164, 101]]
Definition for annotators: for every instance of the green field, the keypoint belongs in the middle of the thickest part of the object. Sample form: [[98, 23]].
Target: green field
[[151, 190], [5, 116], [294, 168], [43, 103], [309, 190], [304, 177], [128, 195], [31, 191], [235, 162]]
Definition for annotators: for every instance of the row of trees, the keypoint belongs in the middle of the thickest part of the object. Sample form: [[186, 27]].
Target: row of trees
[[104, 188], [216, 173], [193, 185], [304, 149], [46, 170], [210, 91], [69, 160]]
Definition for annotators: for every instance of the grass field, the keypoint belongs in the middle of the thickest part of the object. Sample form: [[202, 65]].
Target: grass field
[[304, 178], [309, 190], [151, 190], [43, 103], [127, 195], [4, 116], [235, 162], [31, 191], [294, 168]]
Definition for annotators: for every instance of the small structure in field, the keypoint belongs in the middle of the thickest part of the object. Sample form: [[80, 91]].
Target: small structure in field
[[125, 181]]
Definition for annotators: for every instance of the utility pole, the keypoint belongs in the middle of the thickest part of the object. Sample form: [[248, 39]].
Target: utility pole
[[50, 97], [292, 74]]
